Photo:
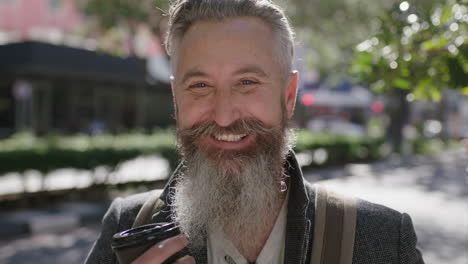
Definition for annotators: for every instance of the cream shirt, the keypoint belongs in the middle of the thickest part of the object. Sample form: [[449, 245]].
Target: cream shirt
[[222, 251]]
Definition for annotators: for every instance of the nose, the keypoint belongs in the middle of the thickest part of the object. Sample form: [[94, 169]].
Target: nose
[[225, 112]]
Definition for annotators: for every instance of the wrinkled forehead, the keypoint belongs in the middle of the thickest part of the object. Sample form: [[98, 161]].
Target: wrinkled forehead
[[214, 40]]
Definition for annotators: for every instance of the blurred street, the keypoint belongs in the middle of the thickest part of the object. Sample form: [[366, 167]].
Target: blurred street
[[432, 189]]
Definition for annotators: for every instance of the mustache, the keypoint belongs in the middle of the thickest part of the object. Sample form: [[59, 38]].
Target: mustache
[[243, 126]]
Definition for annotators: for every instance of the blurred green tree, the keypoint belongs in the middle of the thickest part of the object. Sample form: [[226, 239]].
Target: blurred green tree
[[330, 29], [415, 46], [419, 50], [129, 14]]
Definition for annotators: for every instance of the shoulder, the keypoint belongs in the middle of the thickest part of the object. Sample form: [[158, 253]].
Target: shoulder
[[371, 214], [383, 235], [375, 222], [366, 211], [127, 208], [119, 217]]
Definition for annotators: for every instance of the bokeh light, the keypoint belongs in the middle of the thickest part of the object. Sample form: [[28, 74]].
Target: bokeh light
[[412, 18], [404, 6], [377, 107], [308, 99]]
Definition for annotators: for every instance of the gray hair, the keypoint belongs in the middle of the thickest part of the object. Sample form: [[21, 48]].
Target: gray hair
[[183, 13]]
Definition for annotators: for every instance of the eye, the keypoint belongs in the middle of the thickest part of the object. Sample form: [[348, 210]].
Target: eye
[[248, 82], [247, 86], [200, 89], [198, 85]]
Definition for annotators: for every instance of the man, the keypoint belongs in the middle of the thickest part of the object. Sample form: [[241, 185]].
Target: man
[[239, 196]]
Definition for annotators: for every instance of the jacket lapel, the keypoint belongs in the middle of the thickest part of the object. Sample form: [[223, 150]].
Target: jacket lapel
[[300, 215]]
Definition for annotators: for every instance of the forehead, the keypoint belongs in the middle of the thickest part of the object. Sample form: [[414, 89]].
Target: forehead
[[243, 24], [227, 43]]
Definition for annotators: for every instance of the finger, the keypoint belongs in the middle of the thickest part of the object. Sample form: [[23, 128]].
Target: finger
[[186, 260], [162, 250]]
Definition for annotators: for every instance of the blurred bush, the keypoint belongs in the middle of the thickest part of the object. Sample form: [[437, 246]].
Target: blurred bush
[[328, 149], [433, 145], [24, 151]]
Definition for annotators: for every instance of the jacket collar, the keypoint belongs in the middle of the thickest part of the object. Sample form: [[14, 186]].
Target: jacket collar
[[299, 218], [300, 214]]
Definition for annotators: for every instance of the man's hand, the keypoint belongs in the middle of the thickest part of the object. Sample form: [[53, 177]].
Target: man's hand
[[163, 250]]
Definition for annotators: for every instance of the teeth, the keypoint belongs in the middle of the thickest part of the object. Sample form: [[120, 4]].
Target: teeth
[[230, 137]]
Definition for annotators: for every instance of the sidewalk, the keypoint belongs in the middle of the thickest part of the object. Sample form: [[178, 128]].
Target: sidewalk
[[69, 247], [433, 190], [140, 169], [57, 219]]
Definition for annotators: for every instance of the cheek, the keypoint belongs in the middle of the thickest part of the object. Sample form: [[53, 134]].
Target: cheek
[[190, 112], [265, 107]]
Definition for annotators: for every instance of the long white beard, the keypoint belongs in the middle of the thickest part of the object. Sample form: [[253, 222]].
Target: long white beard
[[241, 203]]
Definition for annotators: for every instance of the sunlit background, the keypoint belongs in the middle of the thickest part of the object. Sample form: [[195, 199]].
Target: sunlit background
[[86, 114]]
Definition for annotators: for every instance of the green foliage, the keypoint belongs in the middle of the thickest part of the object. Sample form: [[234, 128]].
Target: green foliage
[[330, 29], [23, 151], [116, 12], [340, 150], [431, 146], [112, 23], [421, 48], [112, 12]]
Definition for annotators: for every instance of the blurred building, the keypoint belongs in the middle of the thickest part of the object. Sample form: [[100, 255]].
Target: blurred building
[[343, 109], [53, 80], [46, 88], [63, 22], [47, 20]]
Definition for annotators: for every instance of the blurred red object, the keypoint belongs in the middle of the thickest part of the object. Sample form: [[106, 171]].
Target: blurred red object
[[308, 99]]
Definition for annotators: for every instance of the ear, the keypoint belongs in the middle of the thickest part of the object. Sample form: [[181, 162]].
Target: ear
[[172, 85], [174, 97], [291, 93], [173, 91]]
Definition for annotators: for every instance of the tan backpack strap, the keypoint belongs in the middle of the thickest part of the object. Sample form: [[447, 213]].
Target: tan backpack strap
[[151, 206], [349, 231], [334, 228], [319, 223]]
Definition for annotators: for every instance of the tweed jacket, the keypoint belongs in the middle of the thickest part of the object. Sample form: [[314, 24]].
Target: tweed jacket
[[383, 235]]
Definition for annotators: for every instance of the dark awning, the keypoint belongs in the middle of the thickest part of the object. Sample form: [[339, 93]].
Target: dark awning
[[43, 59]]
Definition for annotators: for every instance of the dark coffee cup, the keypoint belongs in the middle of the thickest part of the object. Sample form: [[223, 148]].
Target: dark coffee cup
[[132, 243]]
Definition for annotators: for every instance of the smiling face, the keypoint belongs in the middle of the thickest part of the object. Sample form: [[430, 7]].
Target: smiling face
[[226, 71], [232, 105]]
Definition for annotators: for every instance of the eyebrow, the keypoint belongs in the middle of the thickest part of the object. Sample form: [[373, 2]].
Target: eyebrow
[[251, 69], [193, 73], [246, 69]]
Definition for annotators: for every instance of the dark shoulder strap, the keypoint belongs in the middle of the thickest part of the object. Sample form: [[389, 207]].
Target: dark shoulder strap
[[334, 228], [151, 206]]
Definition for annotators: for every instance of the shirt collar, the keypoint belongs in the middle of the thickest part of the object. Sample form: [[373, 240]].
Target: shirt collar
[[221, 250]]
